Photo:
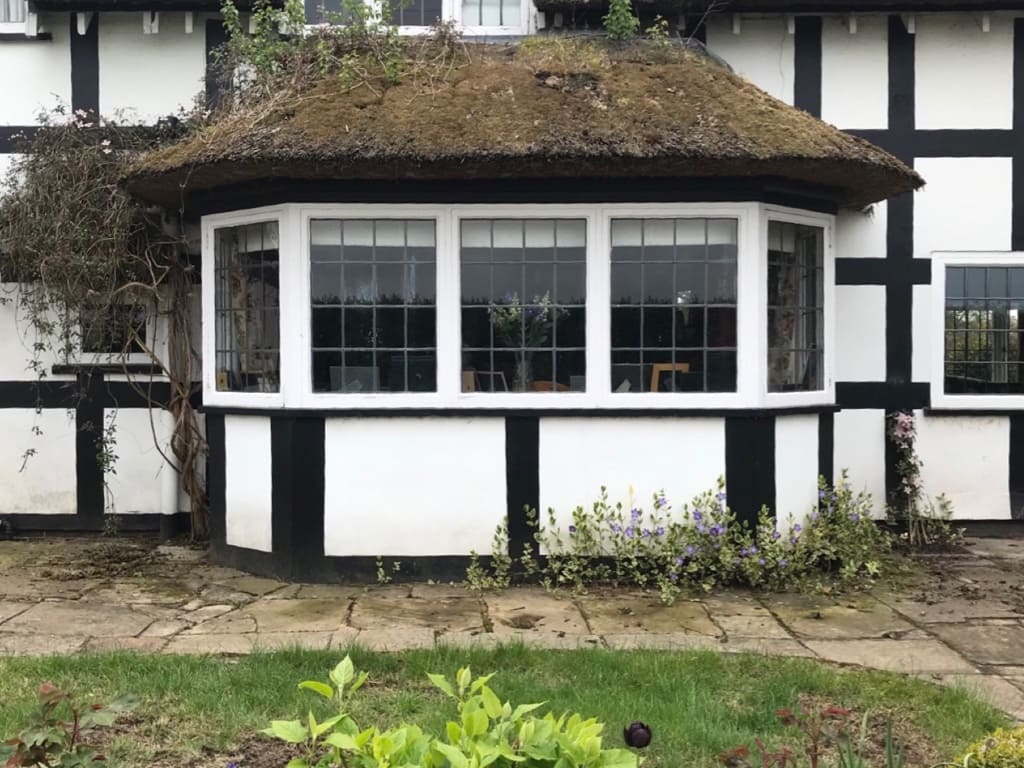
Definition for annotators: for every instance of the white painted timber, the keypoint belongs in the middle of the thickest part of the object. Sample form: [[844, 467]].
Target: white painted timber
[[37, 76], [43, 483], [966, 457], [855, 72], [796, 467], [965, 206], [413, 486], [762, 52], [964, 75], [631, 457], [148, 76], [248, 482], [859, 439], [137, 484], [860, 332]]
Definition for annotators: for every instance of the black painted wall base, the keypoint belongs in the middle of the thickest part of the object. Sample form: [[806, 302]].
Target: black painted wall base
[[165, 526]]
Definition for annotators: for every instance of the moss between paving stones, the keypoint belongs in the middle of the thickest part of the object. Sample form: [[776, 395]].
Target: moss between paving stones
[[566, 107]]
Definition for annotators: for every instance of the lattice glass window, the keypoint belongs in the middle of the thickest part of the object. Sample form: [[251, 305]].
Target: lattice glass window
[[491, 13], [673, 296], [796, 307], [416, 13], [523, 296], [983, 330], [12, 11], [121, 331], [247, 309], [373, 293]]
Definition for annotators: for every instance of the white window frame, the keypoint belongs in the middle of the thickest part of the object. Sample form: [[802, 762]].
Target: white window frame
[[940, 261], [451, 10], [287, 246], [827, 394], [153, 341], [296, 389]]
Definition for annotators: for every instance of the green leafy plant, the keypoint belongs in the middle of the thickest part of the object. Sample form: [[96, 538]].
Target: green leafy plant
[[59, 733], [485, 732], [621, 23], [1004, 748]]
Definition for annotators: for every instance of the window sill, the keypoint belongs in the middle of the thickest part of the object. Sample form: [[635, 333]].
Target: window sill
[[21, 37], [951, 411]]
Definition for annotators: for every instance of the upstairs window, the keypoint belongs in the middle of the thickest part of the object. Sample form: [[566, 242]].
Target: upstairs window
[[121, 331]]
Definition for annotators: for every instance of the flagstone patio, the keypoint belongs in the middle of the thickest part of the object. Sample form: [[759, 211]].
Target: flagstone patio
[[961, 625]]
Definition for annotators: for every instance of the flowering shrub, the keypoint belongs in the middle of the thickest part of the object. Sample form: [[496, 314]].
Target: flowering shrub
[[925, 521], [700, 545]]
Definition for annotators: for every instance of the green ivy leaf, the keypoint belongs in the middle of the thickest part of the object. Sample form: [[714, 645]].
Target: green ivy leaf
[[453, 755]]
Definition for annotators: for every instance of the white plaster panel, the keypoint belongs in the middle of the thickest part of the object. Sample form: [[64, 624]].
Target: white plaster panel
[[37, 76], [923, 320], [16, 339], [149, 76], [248, 482], [762, 52], [43, 483], [967, 458], [964, 76], [683, 457], [137, 484], [855, 72], [408, 486], [859, 438], [861, 234], [965, 205], [796, 466], [860, 333]]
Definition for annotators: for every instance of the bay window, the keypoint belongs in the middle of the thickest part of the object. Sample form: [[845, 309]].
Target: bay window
[[521, 306], [372, 298], [246, 303], [673, 299], [796, 307]]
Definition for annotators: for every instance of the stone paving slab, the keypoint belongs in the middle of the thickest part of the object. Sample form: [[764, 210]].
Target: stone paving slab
[[867, 618], [38, 644], [228, 645], [308, 615], [767, 646], [637, 612], [664, 641], [992, 689], [10, 609], [137, 644], [395, 639], [535, 610], [985, 643], [78, 619], [742, 616], [951, 610], [450, 614], [313, 641], [908, 656]]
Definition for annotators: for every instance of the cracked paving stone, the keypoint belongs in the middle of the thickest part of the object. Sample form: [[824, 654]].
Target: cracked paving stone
[[79, 619], [234, 623], [952, 609], [908, 656], [205, 613], [164, 628], [983, 642], [450, 614], [38, 645], [867, 618], [631, 613], [254, 585], [9, 609], [288, 615], [742, 617], [534, 610]]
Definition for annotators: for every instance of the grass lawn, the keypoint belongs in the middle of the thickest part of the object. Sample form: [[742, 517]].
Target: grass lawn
[[196, 711]]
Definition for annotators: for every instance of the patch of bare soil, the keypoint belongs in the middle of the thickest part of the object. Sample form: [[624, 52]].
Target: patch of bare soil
[[104, 559]]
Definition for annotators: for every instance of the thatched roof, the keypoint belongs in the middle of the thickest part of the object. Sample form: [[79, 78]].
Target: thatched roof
[[537, 110]]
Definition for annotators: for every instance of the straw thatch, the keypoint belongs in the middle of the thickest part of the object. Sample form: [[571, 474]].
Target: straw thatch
[[537, 110]]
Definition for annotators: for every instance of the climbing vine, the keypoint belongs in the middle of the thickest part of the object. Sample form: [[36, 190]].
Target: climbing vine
[[78, 250]]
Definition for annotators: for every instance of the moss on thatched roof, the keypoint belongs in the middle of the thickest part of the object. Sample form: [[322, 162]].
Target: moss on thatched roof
[[541, 109]]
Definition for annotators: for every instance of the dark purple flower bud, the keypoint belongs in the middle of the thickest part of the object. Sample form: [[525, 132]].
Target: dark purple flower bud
[[717, 529], [637, 735], [572, 529], [616, 528], [776, 536], [646, 533]]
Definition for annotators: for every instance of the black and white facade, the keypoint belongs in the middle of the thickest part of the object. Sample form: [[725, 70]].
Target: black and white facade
[[414, 442]]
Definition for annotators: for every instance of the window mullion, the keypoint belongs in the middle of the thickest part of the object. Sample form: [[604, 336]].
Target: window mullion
[[598, 305], [294, 313], [449, 303]]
